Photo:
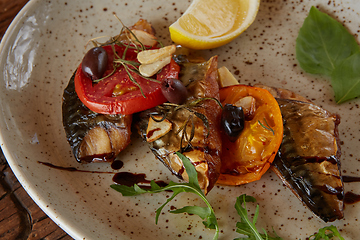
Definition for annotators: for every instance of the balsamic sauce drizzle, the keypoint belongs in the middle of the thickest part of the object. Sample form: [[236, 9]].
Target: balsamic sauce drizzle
[[122, 178], [70, 169], [350, 197], [350, 179], [129, 179]]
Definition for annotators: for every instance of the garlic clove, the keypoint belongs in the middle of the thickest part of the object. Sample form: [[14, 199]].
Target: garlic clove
[[156, 130], [248, 105], [153, 55], [226, 78], [151, 69]]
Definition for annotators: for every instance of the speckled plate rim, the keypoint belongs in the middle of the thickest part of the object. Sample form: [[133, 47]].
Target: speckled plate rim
[[9, 156]]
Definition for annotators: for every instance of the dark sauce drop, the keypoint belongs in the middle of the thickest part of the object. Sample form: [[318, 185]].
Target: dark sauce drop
[[351, 198], [117, 164], [129, 179], [350, 179], [122, 178]]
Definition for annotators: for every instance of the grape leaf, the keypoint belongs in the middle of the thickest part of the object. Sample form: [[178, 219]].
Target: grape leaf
[[323, 43]]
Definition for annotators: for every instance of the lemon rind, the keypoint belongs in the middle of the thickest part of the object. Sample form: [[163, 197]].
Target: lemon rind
[[186, 39]]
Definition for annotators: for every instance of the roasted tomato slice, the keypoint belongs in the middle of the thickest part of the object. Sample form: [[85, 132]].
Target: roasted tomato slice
[[118, 94], [250, 155]]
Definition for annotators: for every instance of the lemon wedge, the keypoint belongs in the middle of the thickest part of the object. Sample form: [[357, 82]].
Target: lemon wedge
[[212, 23]]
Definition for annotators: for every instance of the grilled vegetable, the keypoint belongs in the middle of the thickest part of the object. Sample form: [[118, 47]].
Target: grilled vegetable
[[232, 121], [194, 125], [107, 82], [121, 91], [94, 63], [174, 91], [248, 157]]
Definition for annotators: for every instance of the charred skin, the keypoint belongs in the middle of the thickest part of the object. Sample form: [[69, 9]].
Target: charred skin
[[97, 137], [204, 153], [308, 161], [93, 137]]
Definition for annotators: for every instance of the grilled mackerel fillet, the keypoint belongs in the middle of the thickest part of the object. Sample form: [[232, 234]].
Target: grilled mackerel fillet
[[308, 158], [93, 137], [204, 148]]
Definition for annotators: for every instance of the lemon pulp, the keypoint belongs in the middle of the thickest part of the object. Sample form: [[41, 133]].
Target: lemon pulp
[[212, 23]]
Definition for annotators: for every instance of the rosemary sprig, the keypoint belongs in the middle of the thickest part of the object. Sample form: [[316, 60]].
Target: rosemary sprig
[[184, 136], [167, 109], [267, 127], [133, 79], [120, 61], [129, 31], [100, 79]]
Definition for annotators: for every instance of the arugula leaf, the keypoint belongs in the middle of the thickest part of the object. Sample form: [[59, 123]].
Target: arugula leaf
[[247, 227], [323, 43], [326, 233], [205, 213], [324, 46]]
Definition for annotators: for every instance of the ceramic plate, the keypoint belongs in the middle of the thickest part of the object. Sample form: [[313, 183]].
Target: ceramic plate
[[43, 47]]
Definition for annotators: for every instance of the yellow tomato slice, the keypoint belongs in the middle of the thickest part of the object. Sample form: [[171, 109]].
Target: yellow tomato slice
[[250, 156]]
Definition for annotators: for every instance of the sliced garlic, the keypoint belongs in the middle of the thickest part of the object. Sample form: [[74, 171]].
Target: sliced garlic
[[226, 78], [201, 166], [156, 130], [153, 55], [248, 105], [144, 37], [149, 70]]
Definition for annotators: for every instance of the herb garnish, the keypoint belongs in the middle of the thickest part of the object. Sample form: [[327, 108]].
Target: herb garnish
[[267, 127], [324, 46], [326, 233], [169, 108], [124, 39], [205, 213], [246, 226]]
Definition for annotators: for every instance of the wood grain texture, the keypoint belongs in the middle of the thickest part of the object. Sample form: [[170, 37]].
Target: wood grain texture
[[20, 217]]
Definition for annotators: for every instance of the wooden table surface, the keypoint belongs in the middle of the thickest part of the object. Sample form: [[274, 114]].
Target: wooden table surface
[[20, 217]]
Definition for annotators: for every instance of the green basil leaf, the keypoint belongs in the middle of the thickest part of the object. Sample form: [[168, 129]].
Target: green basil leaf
[[345, 79], [323, 43]]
